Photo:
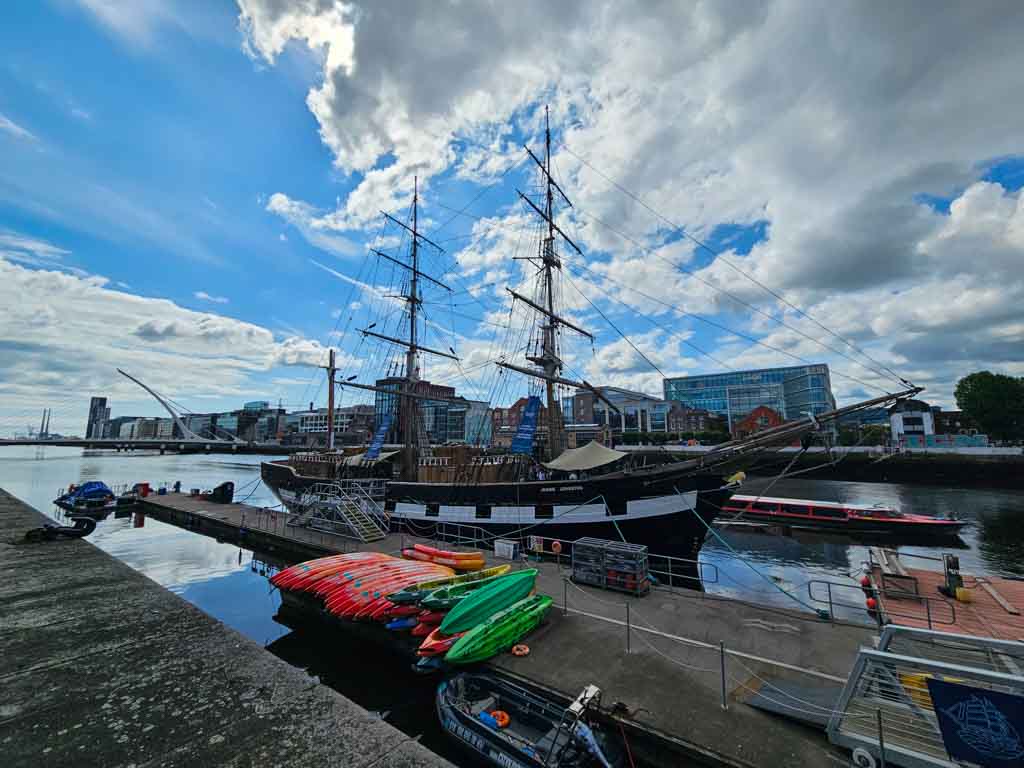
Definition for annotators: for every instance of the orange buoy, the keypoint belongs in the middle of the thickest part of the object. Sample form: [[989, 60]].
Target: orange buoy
[[520, 650], [501, 718], [871, 603], [556, 547]]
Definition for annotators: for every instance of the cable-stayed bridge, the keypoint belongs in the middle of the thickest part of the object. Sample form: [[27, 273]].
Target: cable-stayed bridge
[[187, 441]]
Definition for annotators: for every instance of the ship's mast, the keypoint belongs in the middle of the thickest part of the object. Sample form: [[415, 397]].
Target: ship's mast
[[408, 410], [551, 362], [408, 406]]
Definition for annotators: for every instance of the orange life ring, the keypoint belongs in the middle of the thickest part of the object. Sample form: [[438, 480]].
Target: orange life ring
[[556, 547], [501, 718], [520, 650]]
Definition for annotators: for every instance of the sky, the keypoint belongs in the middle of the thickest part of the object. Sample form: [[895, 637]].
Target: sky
[[189, 190]]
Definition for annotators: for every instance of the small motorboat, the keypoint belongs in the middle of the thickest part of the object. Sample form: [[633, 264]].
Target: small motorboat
[[92, 495], [507, 724], [837, 516]]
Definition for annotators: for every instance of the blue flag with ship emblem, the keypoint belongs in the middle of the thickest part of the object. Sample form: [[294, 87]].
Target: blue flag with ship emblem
[[979, 726], [523, 441]]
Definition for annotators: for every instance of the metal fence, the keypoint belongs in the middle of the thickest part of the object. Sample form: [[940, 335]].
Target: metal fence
[[886, 708], [930, 610]]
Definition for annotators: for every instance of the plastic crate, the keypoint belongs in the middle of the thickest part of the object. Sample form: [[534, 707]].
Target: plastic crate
[[612, 565]]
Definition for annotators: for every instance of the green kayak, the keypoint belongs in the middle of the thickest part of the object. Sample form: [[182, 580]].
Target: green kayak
[[483, 603], [446, 598], [500, 632], [417, 592]]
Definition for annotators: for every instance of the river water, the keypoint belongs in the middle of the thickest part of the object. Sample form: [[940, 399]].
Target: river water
[[229, 583]]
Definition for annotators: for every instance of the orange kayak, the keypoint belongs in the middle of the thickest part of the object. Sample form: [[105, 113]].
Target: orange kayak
[[438, 644]]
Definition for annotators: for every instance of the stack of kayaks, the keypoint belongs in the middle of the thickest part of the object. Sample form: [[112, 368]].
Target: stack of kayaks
[[460, 561], [461, 618], [476, 608], [500, 632]]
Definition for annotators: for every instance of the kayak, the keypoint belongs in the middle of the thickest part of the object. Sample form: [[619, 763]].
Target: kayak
[[446, 598], [486, 601], [350, 601], [500, 632], [417, 592], [446, 553], [359, 577], [432, 617], [460, 561], [299, 572], [422, 630], [438, 643], [377, 584]]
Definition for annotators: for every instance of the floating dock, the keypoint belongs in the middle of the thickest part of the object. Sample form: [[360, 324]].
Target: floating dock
[[103, 667], [910, 597], [659, 656]]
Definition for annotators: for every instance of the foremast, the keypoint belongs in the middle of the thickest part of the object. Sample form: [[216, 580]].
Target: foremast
[[408, 408]]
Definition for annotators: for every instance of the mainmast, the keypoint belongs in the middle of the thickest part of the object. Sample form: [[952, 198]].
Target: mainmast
[[549, 363]]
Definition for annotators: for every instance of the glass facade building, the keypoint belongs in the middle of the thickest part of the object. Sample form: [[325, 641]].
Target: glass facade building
[[792, 391]]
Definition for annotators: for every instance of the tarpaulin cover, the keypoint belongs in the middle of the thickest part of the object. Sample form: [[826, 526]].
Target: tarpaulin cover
[[590, 456]]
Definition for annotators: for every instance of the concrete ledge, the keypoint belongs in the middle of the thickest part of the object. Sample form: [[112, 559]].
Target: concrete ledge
[[101, 666]]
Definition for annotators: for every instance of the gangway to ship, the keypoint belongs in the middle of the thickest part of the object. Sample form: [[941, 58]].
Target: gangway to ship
[[346, 507], [887, 707]]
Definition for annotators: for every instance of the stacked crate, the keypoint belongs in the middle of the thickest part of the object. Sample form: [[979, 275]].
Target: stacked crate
[[611, 565]]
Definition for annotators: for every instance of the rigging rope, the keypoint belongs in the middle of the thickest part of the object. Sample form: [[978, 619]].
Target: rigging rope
[[719, 255]]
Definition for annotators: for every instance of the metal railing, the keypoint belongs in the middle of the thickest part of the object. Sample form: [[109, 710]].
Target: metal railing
[[886, 708], [342, 505], [934, 610]]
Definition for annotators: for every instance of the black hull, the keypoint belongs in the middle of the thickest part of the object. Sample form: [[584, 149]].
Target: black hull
[[677, 533]]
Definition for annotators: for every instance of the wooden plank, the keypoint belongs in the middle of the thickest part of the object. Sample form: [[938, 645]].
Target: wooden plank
[[1006, 604]]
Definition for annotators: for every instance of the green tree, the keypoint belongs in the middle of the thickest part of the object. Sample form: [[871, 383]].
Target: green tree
[[995, 402]]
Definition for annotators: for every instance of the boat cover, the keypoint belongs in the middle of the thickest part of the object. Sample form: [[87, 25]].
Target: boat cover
[[93, 489], [590, 456]]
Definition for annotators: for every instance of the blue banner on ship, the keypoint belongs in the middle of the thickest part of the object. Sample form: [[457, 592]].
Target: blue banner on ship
[[979, 726], [523, 441], [378, 437]]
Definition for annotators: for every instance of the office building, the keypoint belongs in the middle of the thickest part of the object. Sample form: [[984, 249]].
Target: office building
[[638, 412], [389, 404], [792, 392], [469, 422], [99, 415]]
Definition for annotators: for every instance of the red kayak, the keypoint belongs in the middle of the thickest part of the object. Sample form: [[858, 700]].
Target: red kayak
[[347, 601], [437, 644], [289, 578]]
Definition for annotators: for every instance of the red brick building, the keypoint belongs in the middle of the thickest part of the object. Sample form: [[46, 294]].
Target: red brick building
[[758, 420]]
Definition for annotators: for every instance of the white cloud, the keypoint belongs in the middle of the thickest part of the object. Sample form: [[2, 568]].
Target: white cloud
[[134, 20], [311, 225], [824, 121], [15, 130], [63, 336], [204, 296]]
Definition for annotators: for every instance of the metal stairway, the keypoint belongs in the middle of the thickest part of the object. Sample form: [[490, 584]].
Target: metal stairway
[[348, 507]]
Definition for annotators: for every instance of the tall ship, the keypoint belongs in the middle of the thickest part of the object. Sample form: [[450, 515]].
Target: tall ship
[[539, 486]]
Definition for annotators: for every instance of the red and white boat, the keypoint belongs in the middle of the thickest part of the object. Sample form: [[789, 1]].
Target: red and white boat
[[836, 516]]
